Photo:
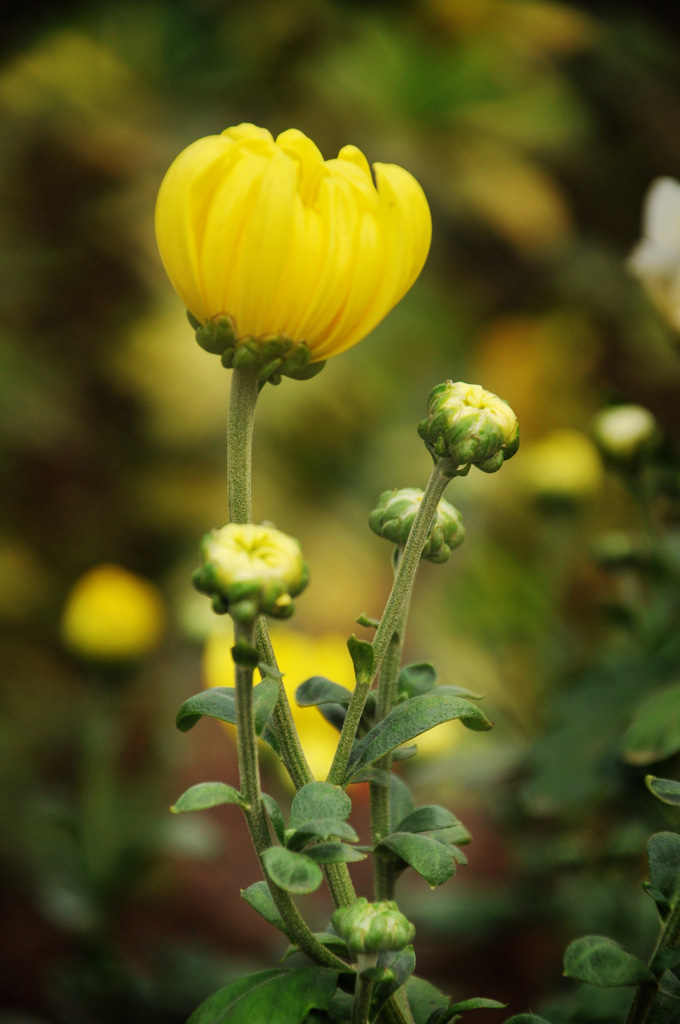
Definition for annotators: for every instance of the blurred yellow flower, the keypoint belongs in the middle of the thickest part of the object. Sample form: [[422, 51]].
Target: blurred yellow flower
[[563, 466], [269, 233], [111, 615]]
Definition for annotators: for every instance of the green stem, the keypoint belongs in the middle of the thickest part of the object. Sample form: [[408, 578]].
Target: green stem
[[244, 393], [381, 824], [399, 595], [249, 781], [647, 991], [362, 1000]]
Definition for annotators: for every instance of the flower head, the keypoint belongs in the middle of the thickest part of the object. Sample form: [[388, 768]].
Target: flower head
[[562, 470], [249, 570], [394, 515], [112, 615], [656, 258], [373, 927], [469, 426], [268, 240], [626, 433]]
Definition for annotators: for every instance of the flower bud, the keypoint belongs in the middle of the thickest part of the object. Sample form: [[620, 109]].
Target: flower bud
[[283, 258], [655, 261], [251, 570], [394, 515], [112, 615], [373, 927], [469, 426], [626, 433]]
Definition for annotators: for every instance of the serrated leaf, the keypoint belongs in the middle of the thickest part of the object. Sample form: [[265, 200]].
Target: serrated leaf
[[320, 690], [294, 872], [432, 860], [319, 800], [428, 818], [363, 658], [260, 899], [655, 731], [598, 960], [275, 816], [663, 853], [320, 828], [416, 679], [334, 853], [409, 720], [207, 794], [276, 996], [667, 790]]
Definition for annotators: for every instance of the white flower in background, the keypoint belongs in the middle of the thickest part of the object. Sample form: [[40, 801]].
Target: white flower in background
[[655, 261]]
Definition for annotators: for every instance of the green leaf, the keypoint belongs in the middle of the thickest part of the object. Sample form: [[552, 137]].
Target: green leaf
[[667, 790], [320, 828], [432, 860], [526, 1018], [269, 670], [365, 620], [408, 720], [459, 691], [220, 702], [260, 899], [275, 816], [416, 679], [319, 690], [451, 1013], [655, 731], [363, 658], [401, 966], [294, 872], [319, 800], [276, 996], [424, 999], [265, 696], [598, 960], [663, 853], [665, 959], [428, 818], [207, 794], [334, 853], [327, 939]]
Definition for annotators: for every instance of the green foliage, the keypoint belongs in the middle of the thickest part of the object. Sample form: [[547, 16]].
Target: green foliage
[[666, 790], [294, 872], [655, 731], [429, 858], [597, 960], [456, 1010], [220, 702], [363, 658], [260, 899], [276, 996], [415, 679], [663, 853], [205, 795]]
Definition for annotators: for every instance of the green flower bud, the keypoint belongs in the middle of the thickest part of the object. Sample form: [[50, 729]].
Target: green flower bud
[[470, 427], [626, 433], [394, 515], [249, 570], [373, 927]]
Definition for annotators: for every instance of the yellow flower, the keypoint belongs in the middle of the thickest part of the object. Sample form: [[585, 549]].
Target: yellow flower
[[299, 657], [286, 243], [564, 466], [112, 615]]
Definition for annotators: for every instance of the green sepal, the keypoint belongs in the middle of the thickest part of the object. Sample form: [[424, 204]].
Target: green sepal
[[319, 829], [666, 790], [319, 800], [260, 899], [294, 872], [598, 960], [409, 720], [416, 679], [207, 794], [319, 690], [400, 966], [432, 860], [244, 654], [363, 658], [448, 1014], [277, 996], [275, 816], [334, 853], [328, 939], [194, 322], [663, 853], [216, 335]]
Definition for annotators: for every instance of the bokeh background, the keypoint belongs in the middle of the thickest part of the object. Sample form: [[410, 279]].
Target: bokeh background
[[535, 129]]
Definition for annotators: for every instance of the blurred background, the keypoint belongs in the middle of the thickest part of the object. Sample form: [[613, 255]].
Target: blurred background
[[535, 129]]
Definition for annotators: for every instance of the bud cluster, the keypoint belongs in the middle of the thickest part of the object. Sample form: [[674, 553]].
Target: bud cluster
[[373, 927]]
